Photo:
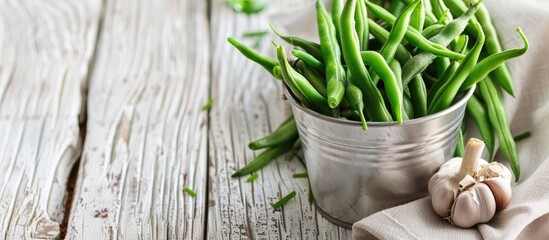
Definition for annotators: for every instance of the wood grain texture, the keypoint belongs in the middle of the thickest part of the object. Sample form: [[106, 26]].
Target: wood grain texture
[[251, 108], [45, 50], [146, 133]]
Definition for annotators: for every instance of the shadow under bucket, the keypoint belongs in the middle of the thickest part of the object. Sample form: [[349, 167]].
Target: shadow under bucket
[[354, 173]]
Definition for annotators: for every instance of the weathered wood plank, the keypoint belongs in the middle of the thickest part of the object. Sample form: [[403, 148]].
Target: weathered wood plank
[[45, 50], [250, 106], [146, 133]]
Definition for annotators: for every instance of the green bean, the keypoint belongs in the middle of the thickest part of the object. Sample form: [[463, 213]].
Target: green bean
[[432, 30], [309, 60], [397, 32], [493, 44], [401, 54], [498, 118], [351, 53], [488, 64], [418, 95], [337, 7], [335, 74], [445, 95], [265, 62], [440, 10], [430, 19], [382, 69], [354, 96], [316, 80], [299, 85], [418, 17], [310, 47], [476, 109], [264, 158], [395, 67], [396, 7], [413, 36], [460, 149], [408, 107], [284, 133], [423, 59], [443, 80], [361, 25]]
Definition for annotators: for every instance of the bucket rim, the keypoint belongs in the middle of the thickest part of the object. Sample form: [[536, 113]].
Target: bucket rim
[[344, 121]]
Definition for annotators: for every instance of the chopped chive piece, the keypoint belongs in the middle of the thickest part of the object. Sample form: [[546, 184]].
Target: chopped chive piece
[[208, 105], [258, 33], [284, 200], [300, 175], [253, 177], [311, 197], [522, 136], [189, 191], [257, 43]]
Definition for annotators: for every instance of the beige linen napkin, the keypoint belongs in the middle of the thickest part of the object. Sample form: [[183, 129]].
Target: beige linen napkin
[[527, 216]]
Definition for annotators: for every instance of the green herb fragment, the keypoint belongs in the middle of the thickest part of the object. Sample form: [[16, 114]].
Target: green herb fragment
[[258, 33], [300, 175], [252, 177], [208, 105], [246, 6], [522, 136], [284, 200], [190, 192]]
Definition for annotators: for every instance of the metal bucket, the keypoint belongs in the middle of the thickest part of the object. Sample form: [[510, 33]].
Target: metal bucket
[[354, 173]]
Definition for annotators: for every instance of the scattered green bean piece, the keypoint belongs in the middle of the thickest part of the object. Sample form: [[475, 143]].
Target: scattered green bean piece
[[382, 69], [300, 86], [300, 175], [252, 177], [498, 118], [287, 131], [258, 33], [351, 53], [477, 110], [190, 192], [247, 6], [522, 136], [309, 60], [284, 200], [423, 59], [445, 95], [310, 47], [335, 74], [263, 159], [488, 64], [265, 62], [208, 104], [460, 149], [414, 36]]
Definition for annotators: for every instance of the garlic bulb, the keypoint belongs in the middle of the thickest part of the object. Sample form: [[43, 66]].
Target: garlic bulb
[[469, 190]]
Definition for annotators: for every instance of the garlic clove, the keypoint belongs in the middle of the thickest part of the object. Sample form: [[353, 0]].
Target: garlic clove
[[495, 169], [501, 189], [472, 206], [443, 193]]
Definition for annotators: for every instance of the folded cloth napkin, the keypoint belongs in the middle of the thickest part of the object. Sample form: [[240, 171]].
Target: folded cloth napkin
[[527, 216]]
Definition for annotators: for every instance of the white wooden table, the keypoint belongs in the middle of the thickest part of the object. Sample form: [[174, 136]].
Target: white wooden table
[[115, 88]]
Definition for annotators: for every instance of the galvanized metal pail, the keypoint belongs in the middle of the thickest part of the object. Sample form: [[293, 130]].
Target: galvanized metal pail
[[354, 173]]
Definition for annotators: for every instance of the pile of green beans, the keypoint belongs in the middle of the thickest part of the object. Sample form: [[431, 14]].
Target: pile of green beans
[[394, 60]]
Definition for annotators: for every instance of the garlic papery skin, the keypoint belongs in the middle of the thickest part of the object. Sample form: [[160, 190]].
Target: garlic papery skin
[[470, 190]]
